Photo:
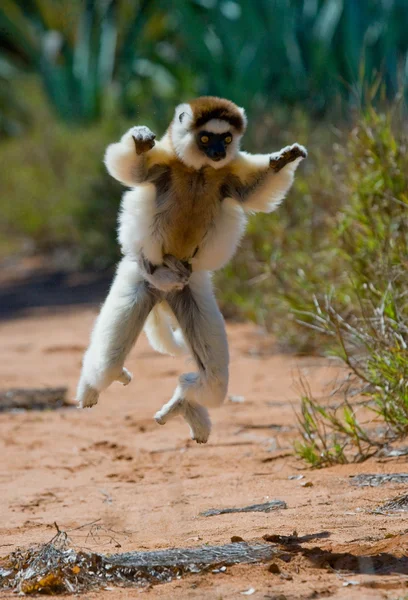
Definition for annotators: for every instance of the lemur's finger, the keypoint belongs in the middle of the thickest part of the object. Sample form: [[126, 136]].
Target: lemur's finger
[[139, 137], [142, 132]]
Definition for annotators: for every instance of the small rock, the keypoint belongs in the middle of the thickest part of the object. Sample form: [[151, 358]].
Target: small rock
[[237, 399], [249, 592], [286, 558], [220, 570], [235, 539], [307, 484], [274, 568]]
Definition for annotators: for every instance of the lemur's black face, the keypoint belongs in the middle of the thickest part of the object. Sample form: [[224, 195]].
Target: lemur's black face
[[214, 144]]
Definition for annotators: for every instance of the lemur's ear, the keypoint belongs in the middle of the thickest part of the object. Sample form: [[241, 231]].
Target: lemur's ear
[[184, 115]]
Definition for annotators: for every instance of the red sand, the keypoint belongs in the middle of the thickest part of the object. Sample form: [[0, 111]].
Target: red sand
[[145, 485]]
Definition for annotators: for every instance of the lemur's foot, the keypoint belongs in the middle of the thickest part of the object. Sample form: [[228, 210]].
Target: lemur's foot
[[169, 410], [125, 377], [181, 268], [143, 138], [172, 276], [87, 396], [167, 281], [199, 421], [196, 416], [287, 155]]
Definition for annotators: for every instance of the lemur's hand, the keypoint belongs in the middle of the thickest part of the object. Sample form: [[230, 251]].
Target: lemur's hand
[[287, 155], [141, 138]]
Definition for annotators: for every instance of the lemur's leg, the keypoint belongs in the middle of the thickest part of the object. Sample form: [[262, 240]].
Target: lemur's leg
[[117, 327], [203, 328]]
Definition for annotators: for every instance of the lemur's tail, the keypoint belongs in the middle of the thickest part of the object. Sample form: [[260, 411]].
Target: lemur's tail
[[163, 331]]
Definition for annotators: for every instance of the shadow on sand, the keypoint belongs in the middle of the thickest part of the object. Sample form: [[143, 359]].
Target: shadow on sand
[[364, 561], [52, 290]]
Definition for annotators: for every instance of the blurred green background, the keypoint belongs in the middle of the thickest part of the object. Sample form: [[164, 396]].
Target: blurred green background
[[331, 74]]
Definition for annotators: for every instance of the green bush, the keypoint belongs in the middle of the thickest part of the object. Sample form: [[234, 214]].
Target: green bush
[[328, 273], [287, 255], [55, 190], [315, 53], [148, 55], [372, 343], [365, 317]]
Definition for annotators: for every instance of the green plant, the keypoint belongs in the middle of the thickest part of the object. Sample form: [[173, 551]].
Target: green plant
[[56, 192], [373, 346], [14, 112], [80, 49], [365, 316], [303, 52], [327, 273], [287, 255], [145, 56], [343, 224], [373, 227]]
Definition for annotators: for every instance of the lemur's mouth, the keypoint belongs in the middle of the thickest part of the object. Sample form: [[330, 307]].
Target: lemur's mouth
[[215, 154]]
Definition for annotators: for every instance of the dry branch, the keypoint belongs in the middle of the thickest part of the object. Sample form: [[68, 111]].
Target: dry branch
[[57, 568], [33, 398]]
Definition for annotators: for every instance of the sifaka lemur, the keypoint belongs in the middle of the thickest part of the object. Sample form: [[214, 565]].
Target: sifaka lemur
[[182, 219]]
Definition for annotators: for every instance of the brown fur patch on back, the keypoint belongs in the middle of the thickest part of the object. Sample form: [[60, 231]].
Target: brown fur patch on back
[[211, 107]]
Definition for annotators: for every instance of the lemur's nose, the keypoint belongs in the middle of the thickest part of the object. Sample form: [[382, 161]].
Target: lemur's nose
[[218, 153]]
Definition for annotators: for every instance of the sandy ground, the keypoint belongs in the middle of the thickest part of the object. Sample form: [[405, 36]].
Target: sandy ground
[[143, 485]]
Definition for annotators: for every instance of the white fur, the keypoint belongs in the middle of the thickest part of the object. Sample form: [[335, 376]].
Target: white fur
[[217, 126], [119, 160], [243, 115], [122, 161], [164, 333], [125, 309], [273, 190], [136, 215], [197, 391], [221, 243], [100, 364]]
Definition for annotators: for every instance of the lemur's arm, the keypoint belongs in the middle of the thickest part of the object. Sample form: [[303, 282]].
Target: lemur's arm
[[259, 182], [129, 160], [134, 160]]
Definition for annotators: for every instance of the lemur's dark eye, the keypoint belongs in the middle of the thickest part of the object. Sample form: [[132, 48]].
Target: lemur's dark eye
[[204, 139], [228, 139]]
